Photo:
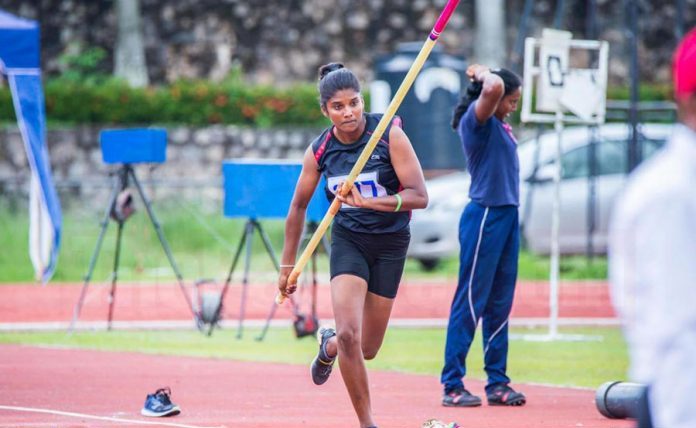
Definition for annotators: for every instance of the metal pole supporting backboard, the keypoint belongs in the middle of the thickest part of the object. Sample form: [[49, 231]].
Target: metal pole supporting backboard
[[564, 94]]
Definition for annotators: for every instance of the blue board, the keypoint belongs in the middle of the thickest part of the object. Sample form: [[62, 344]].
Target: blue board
[[263, 188], [135, 145]]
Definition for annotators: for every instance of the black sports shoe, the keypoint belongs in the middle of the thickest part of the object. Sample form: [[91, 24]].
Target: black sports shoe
[[503, 395], [322, 363], [159, 404], [460, 397]]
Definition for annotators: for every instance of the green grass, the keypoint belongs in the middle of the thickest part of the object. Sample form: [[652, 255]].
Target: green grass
[[203, 244], [531, 267], [407, 350], [571, 267]]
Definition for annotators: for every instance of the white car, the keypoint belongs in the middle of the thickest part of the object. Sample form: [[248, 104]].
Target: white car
[[435, 230]]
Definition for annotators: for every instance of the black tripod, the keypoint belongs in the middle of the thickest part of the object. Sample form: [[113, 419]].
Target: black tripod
[[303, 325], [247, 238], [124, 175]]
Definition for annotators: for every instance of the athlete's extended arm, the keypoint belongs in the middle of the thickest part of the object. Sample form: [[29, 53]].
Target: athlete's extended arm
[[294, 223]]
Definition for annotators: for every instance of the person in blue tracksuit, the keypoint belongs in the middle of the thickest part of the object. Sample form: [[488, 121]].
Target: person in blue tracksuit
[[488, 236]]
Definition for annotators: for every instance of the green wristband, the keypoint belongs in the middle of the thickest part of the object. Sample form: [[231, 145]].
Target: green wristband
[[398, 202]]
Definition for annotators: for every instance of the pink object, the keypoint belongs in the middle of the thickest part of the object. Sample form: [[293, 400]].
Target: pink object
[[508, 129], [684, 66], [443, 19]]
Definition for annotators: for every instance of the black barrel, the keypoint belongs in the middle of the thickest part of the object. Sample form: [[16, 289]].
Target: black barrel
[[620, 400], [427, 108]]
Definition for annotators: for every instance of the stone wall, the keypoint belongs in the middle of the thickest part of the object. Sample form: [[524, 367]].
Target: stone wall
[[278, 41], [193, 166]]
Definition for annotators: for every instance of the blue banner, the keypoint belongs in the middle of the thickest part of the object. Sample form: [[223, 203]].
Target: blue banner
[[44, 207], [19, 60]]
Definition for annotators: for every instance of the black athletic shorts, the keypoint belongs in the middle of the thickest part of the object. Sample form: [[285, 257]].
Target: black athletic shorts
[[378, 258]]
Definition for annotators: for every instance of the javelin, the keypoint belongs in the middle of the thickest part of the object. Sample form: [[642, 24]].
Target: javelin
[[372, 143]]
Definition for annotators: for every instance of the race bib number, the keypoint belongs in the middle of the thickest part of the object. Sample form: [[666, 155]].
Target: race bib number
[[366, 183]]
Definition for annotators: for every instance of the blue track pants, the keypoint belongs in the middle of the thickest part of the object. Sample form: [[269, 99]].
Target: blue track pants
[[489, 240]]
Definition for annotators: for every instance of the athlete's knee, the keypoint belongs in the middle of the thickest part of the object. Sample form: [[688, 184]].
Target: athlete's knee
[[369, 353], [348, 339]]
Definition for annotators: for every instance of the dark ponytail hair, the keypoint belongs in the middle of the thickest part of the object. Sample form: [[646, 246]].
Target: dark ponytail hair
[[473, 91], [334, 77], [511, 80]]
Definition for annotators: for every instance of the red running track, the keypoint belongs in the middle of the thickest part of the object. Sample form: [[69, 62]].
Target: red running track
[[107, 389], [148, 301]]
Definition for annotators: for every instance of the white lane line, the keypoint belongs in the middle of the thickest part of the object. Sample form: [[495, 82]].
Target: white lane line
[[101, 418]]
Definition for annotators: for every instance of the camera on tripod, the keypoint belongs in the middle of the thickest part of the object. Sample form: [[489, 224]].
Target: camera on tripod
[[126, 147], [263, 189]]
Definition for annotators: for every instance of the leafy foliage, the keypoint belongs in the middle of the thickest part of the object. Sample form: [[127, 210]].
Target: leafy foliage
[[84, 66], [72, 99]]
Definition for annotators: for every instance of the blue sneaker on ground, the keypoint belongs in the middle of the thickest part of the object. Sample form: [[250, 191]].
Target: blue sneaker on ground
[[159, 404], [322, 364]]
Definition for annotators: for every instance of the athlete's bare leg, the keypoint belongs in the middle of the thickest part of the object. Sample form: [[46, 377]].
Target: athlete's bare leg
[[348, 294], [376, 316], [375, 320]]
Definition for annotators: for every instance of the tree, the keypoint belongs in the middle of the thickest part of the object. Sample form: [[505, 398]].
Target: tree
[[490, 32], [129, 61]]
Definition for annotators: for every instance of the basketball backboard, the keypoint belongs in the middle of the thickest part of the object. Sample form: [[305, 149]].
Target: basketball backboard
[[564, 75]]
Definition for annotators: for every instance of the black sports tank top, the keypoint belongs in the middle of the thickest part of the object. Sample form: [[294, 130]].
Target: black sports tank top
[[377, 178]]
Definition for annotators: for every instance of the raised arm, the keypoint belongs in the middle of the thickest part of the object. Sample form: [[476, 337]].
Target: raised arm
[[491, 94]]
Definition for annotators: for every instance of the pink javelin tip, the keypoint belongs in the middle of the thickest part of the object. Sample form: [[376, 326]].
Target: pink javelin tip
[[443, 19]]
